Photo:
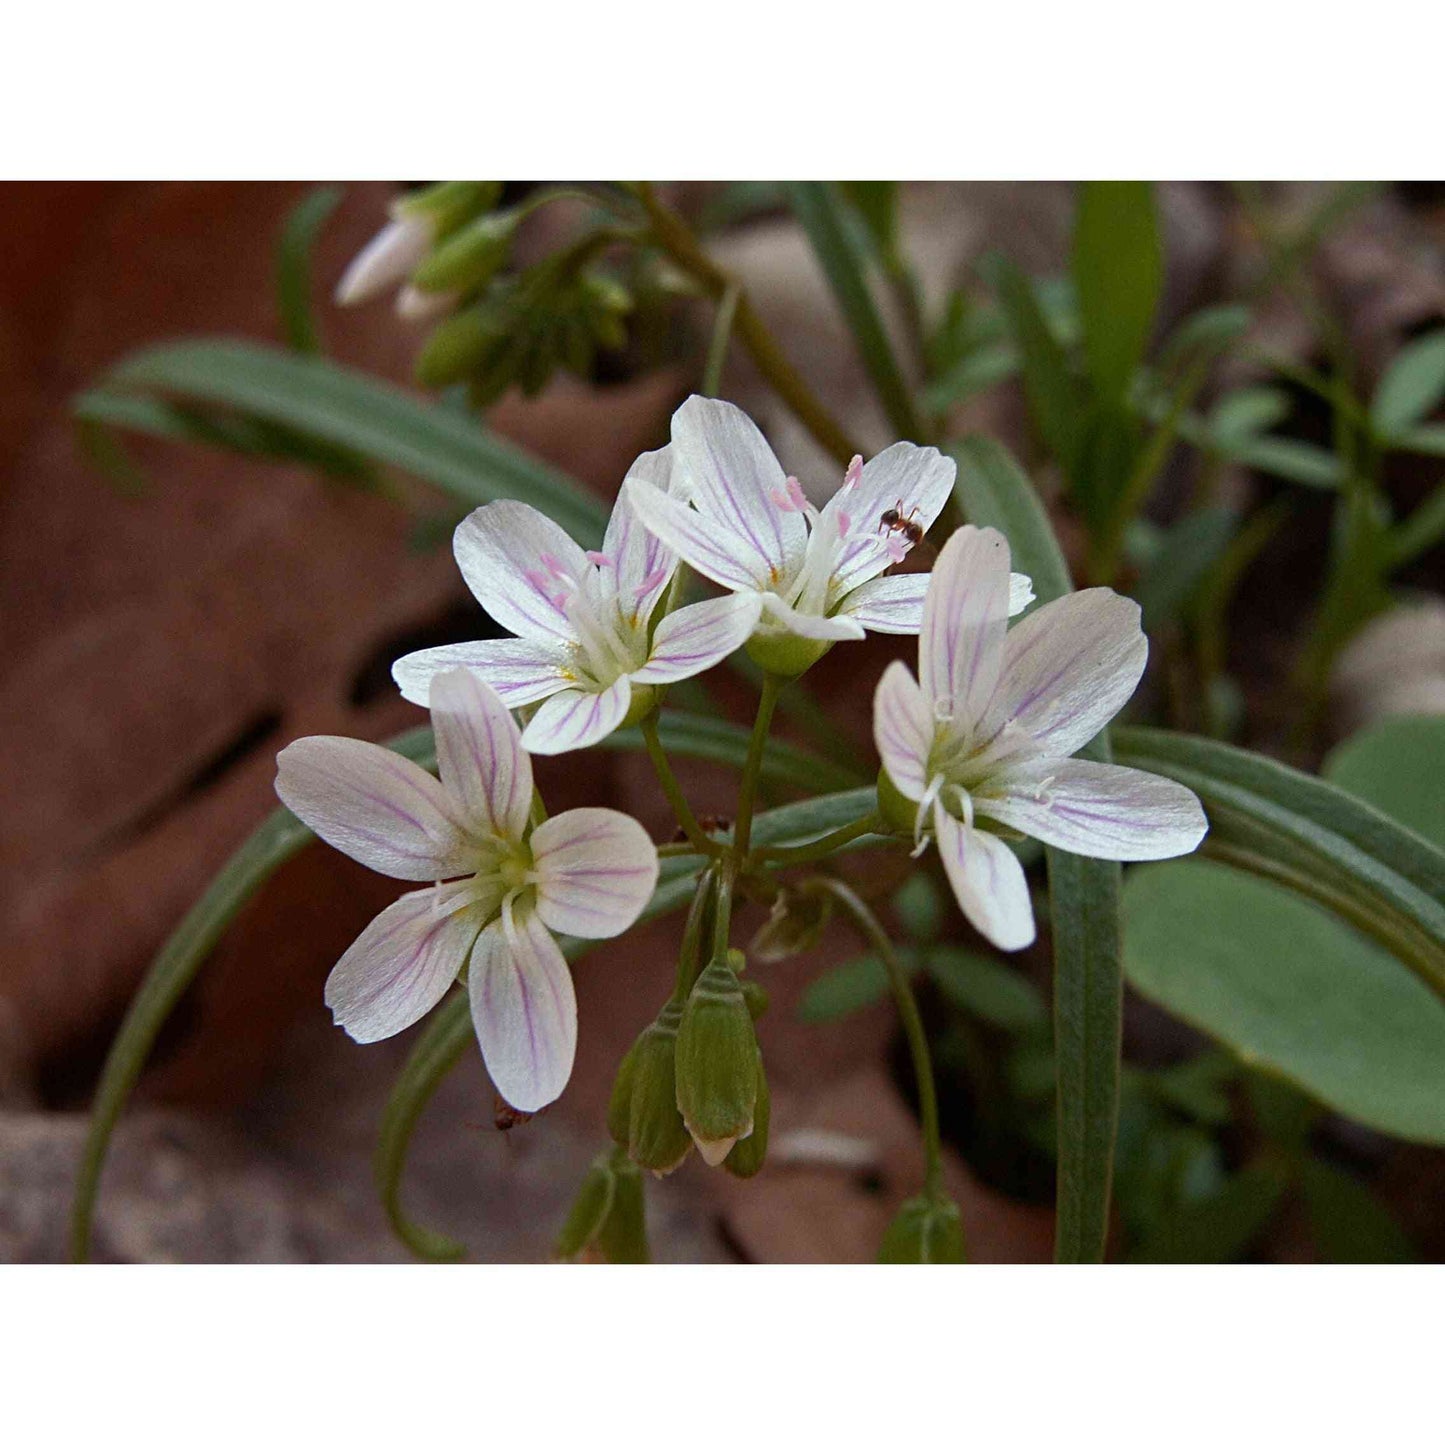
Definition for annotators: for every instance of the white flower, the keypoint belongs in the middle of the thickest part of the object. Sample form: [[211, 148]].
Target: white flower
[[751, 529], [584, 640], [989, 733], [587, 873], [388, 258]]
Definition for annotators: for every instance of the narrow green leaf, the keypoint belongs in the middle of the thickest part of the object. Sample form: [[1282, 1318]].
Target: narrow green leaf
[[318, 399], [1219, 1229], [1426, 440], [1295, 461], [1312, 837], [974, 373], [1290, 989], [1420, 531], [1242, 415], [1083, 899], [1398, 765], [1349, 1223], [848, 987], [1054, 396], [293, 268], [1118, 268], [1412, 386], [1186, 555], [819, 209], [441, 1045], [986, 988], [877, 203], [1203, 335]]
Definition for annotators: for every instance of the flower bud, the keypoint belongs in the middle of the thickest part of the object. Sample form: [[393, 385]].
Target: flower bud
[[746, 1157], [448, 204], [657, 1138], [619, 1105], [623, 1236], [924, 1231], [794, 925], [717, 1074], [470, 257], [457, 348]]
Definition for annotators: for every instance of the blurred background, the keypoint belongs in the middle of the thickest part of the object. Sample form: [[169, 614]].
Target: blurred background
[[175, 614]]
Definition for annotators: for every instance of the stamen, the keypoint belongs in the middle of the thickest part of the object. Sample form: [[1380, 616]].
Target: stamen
[[655, 578], [943, 709], [935, 785], [598, 559], [854, 473], [896, 548], [792, 498], [845, 523]]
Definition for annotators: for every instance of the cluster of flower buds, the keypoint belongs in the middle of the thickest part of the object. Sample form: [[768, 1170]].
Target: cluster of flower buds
[[926, 1230], [696, 1076], [448, 249]]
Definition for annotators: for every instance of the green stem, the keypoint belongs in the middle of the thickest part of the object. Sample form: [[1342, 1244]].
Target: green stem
[[692, 931], [748, 788], [699, 841], [821, 847], [722, 331], [867, 924], [672, 233], [722, 915]]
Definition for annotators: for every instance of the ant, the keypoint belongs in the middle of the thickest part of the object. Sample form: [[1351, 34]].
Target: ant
[[709, 823], [893, 520], [505, 1117]]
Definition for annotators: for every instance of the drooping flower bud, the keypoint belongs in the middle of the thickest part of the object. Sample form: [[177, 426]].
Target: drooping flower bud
[[794, 926], [746, 1157], [717, 1075], [608, 1218], [924, 1231], [470, 257], [657, 1138], [457, 347]]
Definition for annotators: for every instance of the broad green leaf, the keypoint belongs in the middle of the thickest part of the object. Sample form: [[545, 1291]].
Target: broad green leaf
[[1196, 1087], [1412, 386], [1118, 269], [1186, 554], [1242, 415], [986, 988], [920, 906], [293, 268], [1202, 336], [316, 398], [1295, 461], [1054, 396], [1399, 766], [1290, 989], [1083, 898], [1219, 1229], [1312, 837], [848, 987], [1427, 440], [1349, 1224], [819, 209]]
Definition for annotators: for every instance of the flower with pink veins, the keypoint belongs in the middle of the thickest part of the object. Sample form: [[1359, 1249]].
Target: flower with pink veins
[[982, 742], [589, 645], [501, 888], [739, 520]]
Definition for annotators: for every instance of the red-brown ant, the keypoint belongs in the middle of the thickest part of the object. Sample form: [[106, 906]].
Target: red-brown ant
[[893, 520]]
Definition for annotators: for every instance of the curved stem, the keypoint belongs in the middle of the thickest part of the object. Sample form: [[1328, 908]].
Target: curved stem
[[672, 233], [722, 331], [867, 924], [698, 841], [691, 950], [752, 767], [821, 847]]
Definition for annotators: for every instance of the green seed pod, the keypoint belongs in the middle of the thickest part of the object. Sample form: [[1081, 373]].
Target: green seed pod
[[717, 1076], [589, 1210], [657, 1138], [794, 926], [746, 1157], [469, 257], [924, 1231], [623, 1236], [459, 347], [619, 1106]]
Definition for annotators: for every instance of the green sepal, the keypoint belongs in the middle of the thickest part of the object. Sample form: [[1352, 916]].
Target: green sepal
[[623, 1236], [924, 1231], [449, 204], [784, 653], [470, 256], [746, 1157], [657, 1138], [717, 1077]]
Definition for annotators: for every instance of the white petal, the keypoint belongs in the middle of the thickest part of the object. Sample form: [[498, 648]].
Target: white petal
[[524, 1011], [730, 472], [642, 563], [902, 729], [390, 255], [403, 964], [988, 882], [1020, 592], [888, 604], [1069, 667], [521, 566], [596, 869], [479, 754], [779, 614], [913, 480], [965, 615], [700, 540], [519, 669], [1097, 809], [375, 806], [695, 638], [576, 719]]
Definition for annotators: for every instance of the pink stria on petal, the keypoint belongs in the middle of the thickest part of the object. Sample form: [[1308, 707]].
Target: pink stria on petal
[[479, 754], [596, 870], [575, 719], [987, 880]]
